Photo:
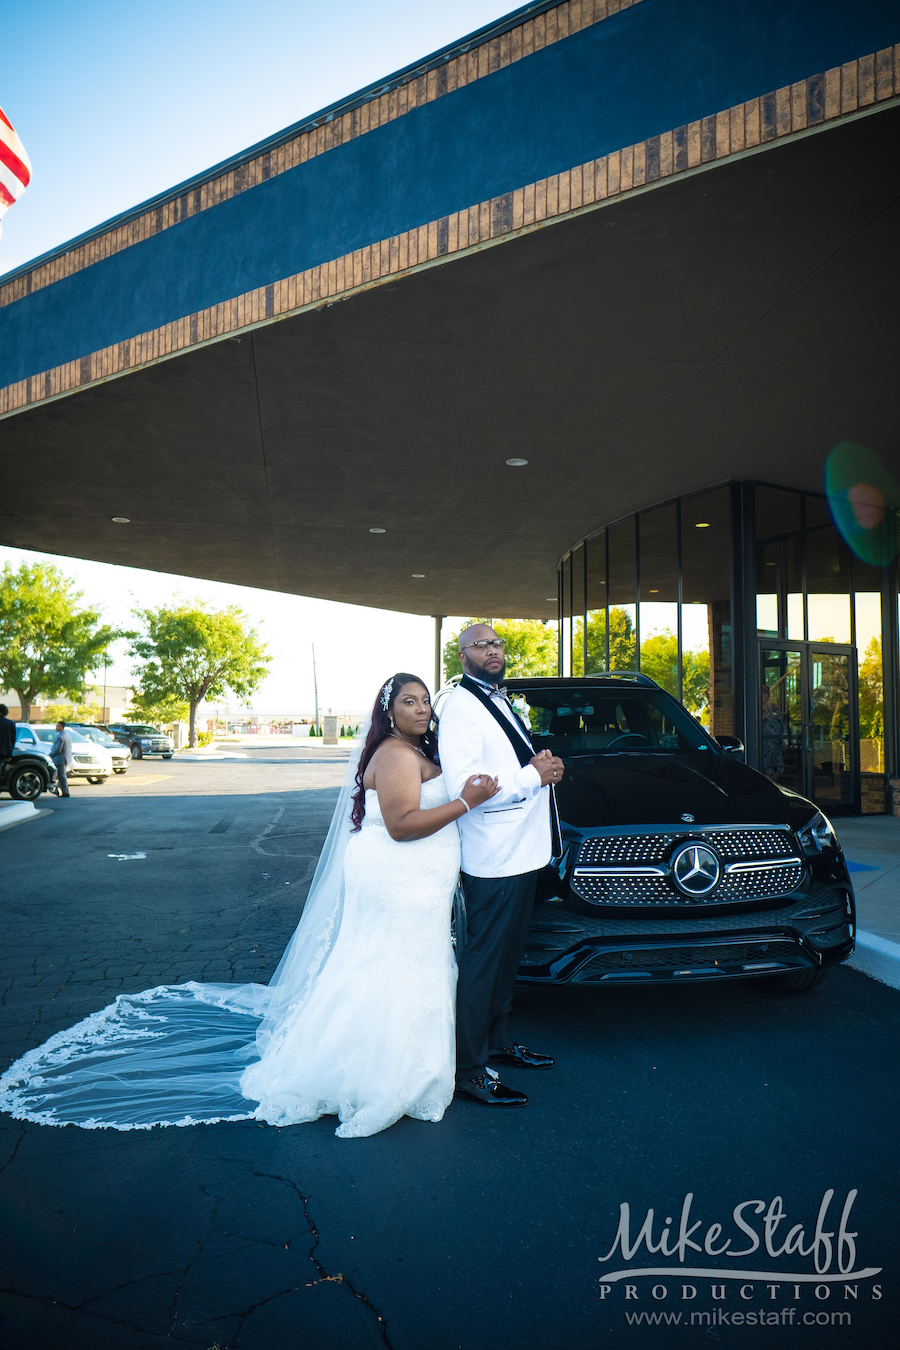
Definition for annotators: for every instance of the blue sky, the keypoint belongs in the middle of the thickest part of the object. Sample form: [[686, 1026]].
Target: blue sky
[[116, 101]]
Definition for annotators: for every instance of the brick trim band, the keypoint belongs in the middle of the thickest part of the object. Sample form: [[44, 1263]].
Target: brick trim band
[[524, 40], [839, 92]]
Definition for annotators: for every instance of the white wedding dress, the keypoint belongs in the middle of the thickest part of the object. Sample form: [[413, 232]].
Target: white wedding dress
[[358, 1020]]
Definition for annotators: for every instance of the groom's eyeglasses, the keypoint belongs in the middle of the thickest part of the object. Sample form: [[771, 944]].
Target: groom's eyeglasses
[[482, 645]]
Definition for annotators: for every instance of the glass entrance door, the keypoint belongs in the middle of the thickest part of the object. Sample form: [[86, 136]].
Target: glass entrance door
[[808, 720]]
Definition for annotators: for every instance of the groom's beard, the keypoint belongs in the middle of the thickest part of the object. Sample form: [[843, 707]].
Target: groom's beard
[[492, 676]]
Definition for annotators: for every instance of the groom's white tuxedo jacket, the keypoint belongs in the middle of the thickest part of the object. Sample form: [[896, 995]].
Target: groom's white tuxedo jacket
[[510, 834]]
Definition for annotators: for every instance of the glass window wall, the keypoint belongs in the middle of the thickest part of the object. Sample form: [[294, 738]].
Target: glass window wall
[[578, 583], [706, 675], [596, 651], [654, 592], [659, 615], [622, 613], [565, 625]]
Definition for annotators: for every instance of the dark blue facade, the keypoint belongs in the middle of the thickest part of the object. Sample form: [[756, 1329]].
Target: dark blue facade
[[647, 70]]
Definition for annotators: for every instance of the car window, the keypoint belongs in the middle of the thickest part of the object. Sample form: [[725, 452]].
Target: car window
[[49, 733], [24, 736], [144, 731], [607, 721]]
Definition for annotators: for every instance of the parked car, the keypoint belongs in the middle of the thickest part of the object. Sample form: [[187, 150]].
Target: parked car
[[89, 761], [118, 753], [30, 771], [142, 740], [680, 862]]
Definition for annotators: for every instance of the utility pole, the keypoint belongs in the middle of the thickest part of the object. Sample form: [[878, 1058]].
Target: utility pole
[[104, 715], [315, 686], [438, 654]]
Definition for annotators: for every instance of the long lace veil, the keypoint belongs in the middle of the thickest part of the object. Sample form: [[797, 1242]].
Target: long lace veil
[[177, 1054], [315, 934]]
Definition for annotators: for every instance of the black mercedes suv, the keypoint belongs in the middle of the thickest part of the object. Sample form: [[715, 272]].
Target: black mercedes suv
[[680, 863]]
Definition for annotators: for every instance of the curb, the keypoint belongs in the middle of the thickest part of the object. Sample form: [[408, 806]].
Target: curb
[[877, 957], [16, 814]]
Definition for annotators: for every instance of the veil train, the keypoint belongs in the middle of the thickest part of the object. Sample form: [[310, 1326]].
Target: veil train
[[177, 1054]]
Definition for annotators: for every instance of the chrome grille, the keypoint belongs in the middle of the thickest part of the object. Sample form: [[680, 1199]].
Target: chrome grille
[[625, 850], [752, 869], [753, 885], [630, 850], [733, 844], [628, 891]]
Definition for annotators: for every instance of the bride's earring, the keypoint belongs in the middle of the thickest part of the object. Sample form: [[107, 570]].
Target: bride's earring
[[390, 719]]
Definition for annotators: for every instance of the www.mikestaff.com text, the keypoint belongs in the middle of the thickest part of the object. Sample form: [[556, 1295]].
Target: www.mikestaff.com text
[[784, 1317]]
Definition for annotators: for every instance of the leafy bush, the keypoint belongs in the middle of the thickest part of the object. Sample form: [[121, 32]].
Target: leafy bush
[[204, 738]]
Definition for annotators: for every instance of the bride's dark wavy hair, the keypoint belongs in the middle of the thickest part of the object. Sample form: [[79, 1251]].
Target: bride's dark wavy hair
[[380, 730]]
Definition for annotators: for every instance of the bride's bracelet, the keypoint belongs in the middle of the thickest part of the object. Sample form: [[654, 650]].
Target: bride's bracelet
[[462, 799]]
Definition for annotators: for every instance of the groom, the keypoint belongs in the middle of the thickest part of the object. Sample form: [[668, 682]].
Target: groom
[[505, 842]]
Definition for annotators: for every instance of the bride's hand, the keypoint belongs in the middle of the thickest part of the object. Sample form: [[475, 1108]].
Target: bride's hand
[[479, 788]]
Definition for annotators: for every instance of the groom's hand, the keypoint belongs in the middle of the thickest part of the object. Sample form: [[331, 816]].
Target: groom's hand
[[549, 767]]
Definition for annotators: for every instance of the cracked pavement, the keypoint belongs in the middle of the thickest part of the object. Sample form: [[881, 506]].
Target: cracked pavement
[[482, 1231]]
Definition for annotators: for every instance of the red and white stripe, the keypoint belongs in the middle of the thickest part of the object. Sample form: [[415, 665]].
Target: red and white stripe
[[15, 166]]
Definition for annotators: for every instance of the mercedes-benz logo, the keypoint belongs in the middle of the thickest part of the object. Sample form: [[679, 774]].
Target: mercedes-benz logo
[[696, 869]]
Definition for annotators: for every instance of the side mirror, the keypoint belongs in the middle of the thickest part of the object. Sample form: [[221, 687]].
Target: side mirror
[[731, 745]]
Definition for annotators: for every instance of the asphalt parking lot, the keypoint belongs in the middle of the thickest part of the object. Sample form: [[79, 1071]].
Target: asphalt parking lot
[[483, 1231]]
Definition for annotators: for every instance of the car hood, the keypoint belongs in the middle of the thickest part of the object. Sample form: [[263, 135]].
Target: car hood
[[645, 790]]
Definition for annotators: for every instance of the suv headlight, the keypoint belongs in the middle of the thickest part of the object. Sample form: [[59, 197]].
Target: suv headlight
[[817, 836]]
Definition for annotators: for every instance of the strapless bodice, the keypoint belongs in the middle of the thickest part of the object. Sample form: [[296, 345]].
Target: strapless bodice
[[434, 793]]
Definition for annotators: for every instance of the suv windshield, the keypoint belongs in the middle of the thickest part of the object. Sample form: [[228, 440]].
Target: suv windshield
[[604, 721], [97, 736], [143, 731]]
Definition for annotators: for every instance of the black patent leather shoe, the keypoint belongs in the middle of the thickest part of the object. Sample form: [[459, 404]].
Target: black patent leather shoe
[[488, 1090], [522, 1057]]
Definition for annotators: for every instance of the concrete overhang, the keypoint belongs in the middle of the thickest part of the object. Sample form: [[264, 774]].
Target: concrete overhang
[[733, 318]]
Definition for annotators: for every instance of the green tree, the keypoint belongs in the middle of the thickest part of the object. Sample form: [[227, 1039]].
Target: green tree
[[659, 660], [48, 644], [695, 681], [622, 647], [158, 711], [190, 653], [531, 647], [71, 712], [871, 692]]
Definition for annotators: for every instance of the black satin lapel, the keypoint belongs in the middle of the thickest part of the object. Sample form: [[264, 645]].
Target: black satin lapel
[[524, 751]]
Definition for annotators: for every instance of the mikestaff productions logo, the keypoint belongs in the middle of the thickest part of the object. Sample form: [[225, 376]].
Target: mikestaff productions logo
[[756, 1256]]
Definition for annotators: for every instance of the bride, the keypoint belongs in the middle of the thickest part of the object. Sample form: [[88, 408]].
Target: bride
[[358, 1020]]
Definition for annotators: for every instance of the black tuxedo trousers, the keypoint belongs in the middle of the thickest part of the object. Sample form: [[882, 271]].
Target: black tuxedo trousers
[[498, 910]]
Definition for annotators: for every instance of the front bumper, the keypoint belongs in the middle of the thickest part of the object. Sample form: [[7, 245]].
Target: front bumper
[[818, 929]]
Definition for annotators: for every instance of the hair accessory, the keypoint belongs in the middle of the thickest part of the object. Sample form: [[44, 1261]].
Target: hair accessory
[[386, 694]]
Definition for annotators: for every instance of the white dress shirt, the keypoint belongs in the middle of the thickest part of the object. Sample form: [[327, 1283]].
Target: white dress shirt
[[509, 834]]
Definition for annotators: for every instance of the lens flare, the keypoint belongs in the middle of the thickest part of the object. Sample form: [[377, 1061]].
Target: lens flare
[[865, 502]]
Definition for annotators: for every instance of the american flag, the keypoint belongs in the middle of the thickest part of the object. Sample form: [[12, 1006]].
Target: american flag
[[15, 166]]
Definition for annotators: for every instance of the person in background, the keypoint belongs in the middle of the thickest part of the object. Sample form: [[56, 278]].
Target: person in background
[[61, 754], [7, 734]]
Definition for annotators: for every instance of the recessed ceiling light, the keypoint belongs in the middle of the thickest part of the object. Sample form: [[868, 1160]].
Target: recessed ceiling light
[[376, 529], [702, 525], [516, 463], [121, 520], [418, 575], [554, 598], [654, 592]]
